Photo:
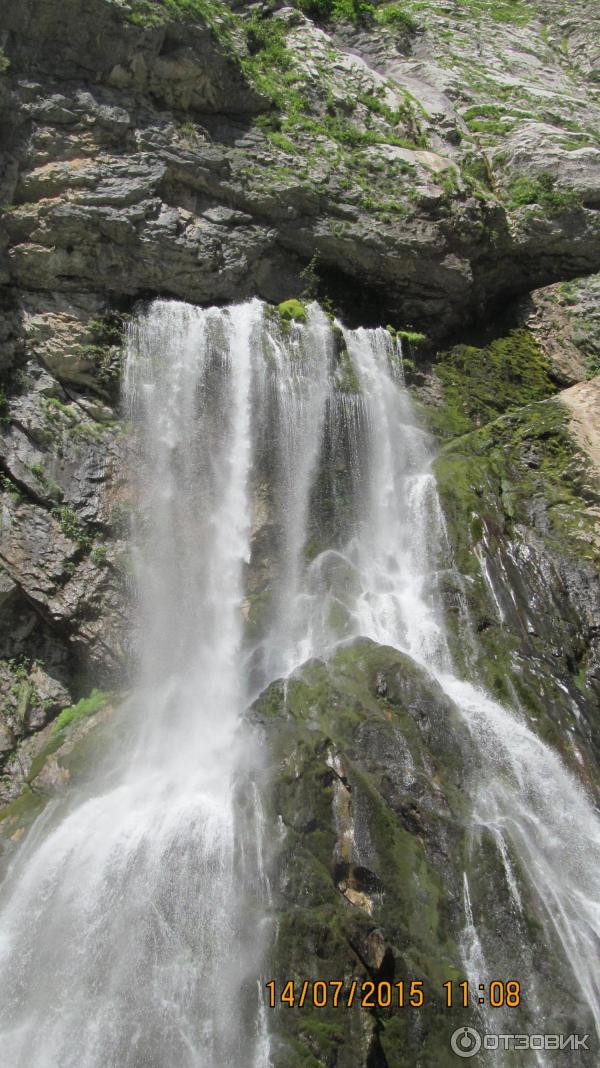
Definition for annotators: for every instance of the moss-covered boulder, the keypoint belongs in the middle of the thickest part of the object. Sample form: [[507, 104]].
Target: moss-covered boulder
[[367, 788]]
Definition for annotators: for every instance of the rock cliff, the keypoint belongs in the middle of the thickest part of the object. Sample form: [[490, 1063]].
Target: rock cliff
[[435, 166]]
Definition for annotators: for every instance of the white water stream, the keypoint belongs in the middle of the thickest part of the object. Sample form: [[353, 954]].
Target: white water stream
[[129, 935]]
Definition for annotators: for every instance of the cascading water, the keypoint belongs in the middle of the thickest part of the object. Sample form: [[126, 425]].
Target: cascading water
[[123, 939], [284, 503]]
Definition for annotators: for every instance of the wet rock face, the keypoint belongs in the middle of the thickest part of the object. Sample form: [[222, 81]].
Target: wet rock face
[[371, 777], [521, 501], [367, 771], [62, 614]]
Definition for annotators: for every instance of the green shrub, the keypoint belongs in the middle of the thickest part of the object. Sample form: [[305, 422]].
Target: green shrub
[[412, 336], [151, 13], [98, 555], [86, 707], [395, 16], [71, 527], [336, 10]]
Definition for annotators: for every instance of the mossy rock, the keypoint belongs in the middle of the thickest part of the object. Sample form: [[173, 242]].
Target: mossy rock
[[479, 384], [367, 775], [372, 774], [64, 758], [520, 504]]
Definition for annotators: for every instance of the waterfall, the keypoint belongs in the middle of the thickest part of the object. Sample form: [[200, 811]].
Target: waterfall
[[284, 503], [124, 938], [524, 792]]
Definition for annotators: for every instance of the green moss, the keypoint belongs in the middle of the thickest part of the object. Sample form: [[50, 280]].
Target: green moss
[[38, 762], [346, 378], [260, 604], [23, 808], [359, 705], [480, 384], [542, 191], [292, 311], [86, 707], [519, 480], [413, 337], [25, 694], [503, 472]]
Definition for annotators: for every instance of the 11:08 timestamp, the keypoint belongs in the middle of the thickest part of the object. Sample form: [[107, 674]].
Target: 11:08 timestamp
[[336, 993], [497, 994]]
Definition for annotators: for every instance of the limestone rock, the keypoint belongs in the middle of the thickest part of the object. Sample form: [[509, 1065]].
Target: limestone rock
[[583, 402]]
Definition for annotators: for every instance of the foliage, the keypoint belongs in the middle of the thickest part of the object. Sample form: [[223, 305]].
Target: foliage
[[544, 191], [50, 487], [517, 11], [269, 58], [98, 555], [152, 13], [271, 67], [336, 10], [412, 336], [4, 62], [397, 17], [106, 348], [86, 707], [310, 278], [592, 364], [71, 527], [10, 487]]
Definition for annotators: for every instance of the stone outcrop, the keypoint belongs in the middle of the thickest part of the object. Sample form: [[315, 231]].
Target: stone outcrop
[[370, 771], [146, 153], [583, 402]]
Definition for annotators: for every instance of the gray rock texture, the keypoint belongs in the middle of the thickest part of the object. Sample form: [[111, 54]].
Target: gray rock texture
[[441, 169]]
